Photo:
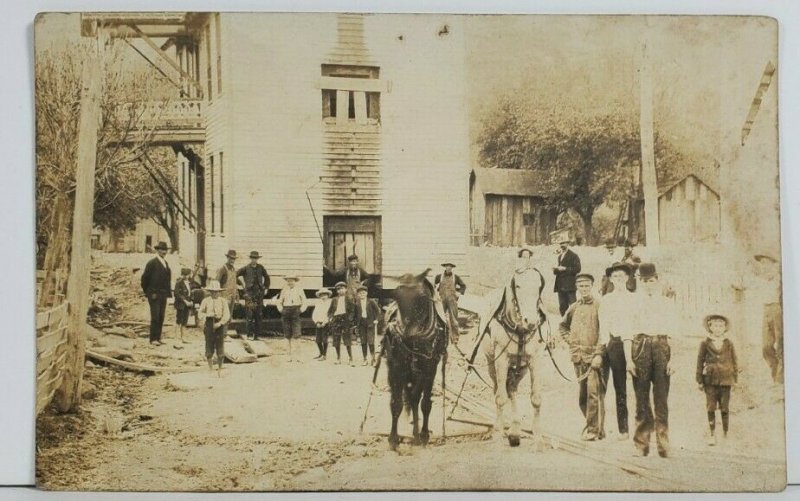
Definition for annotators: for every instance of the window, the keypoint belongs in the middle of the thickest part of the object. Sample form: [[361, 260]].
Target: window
[[218, 38], [360, 102], [213, 210], [221, 198]]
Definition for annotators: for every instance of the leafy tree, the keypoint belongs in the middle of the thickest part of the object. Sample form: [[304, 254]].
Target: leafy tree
[[124, 193], [584, 156]]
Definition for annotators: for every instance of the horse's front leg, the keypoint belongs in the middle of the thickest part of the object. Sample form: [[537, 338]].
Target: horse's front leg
[[396, 405], [534, 363], [500, 391], [426, 404], [514, 430]]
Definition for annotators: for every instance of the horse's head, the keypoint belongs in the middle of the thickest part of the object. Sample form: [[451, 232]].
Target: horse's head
[[413, 294], [526, 289]]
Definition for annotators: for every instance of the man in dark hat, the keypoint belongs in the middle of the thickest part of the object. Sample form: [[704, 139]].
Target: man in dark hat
[[450, 286], [226, 276], [353, 275], [255, 280], [580, 327], [647, 357], [569, 265], [616, 315], [156, 284]]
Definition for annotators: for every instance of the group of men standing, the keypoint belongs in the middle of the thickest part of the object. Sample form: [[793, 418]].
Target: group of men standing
[[619, 334]]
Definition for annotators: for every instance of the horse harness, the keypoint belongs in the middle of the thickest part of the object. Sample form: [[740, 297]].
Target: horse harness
[[511, 321], [396, 327]]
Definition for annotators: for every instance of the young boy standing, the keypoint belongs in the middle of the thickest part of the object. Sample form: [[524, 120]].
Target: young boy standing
[[214, 314], [717, 371], [183, 302], [342, 316], [291, 304], [320, 318], [368, 315]]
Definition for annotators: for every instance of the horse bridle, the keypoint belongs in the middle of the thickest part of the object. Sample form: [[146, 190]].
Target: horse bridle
[[397, 327]]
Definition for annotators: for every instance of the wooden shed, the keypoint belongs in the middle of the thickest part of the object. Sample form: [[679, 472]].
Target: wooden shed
[[506, 208], [314, 136], [688, 211]]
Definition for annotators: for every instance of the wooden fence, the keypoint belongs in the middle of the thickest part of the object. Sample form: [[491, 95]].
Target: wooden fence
[[51, 353], [50, 287]]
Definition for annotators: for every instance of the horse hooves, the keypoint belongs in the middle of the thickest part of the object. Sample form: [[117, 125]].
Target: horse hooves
[[424, 438], [393, 444], [513, 440]]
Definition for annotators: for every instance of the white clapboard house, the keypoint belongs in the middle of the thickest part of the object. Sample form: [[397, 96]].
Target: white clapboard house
[[308, 137]]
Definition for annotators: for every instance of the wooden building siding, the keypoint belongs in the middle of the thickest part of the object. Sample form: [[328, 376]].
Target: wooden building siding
[[689, 212], [517, 220]]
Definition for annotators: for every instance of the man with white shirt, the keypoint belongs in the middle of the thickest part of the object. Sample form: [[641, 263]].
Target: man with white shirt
[[615, 314], [647, 355], [157, 286], [291, 304]]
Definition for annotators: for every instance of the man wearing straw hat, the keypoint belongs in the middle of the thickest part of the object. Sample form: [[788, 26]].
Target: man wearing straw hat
[[450, 287], [156, 284], [214, 315], [255, 280], [291, 304]]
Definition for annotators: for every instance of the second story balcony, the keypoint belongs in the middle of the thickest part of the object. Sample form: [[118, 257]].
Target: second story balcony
[[164, 122]]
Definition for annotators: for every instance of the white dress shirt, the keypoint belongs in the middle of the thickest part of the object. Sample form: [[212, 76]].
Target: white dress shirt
[[617, 313], [214, 308]]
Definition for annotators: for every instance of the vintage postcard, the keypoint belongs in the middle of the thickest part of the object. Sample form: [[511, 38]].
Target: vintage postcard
[[377, 252]]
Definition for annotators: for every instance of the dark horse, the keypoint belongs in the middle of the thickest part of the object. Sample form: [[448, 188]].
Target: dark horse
[[415, 343]]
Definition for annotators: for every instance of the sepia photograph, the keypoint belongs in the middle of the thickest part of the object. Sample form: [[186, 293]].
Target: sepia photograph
[[408, 252]]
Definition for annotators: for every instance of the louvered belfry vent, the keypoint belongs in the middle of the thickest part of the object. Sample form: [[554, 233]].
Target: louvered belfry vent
[[351, 94]]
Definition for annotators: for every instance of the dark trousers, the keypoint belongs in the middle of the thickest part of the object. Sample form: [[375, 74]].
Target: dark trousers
[[565, 298], [291, 322], [253, 315], [651, 355], [615, 363], [717, 396], [215, 339], [158, 308], [322, 339]]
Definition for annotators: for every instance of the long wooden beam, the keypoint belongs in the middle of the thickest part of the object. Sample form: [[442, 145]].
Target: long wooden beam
[[149, 41]]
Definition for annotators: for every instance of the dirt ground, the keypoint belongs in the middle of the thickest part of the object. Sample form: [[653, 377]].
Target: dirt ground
[[274, 425]]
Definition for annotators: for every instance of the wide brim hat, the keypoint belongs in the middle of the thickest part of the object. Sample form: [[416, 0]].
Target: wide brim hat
[[352, 257], [563, 240], [340, 285], [619, 266], [255, 255], [292, 277], [714, 316], [213, 286], [186, 271], [323, 292], [362, 288], [448, 264], [584, 276], [231, 253], [161, 246]]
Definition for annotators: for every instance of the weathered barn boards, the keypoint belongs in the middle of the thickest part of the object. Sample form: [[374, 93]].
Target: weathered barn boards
[[688, 212], [345, 142], [506, 209]]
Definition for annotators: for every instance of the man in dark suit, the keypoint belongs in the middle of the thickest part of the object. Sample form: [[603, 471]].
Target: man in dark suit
[[569, 265], [156, 283], [354, 276]]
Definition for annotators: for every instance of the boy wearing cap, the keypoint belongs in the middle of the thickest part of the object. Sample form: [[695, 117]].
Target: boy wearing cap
[[183, 302], [450, 287], [255, 280], [291, 304], [647, 359], [214, 314], [320, 318], [580, 327], [342, 319], [717, 371], [616, 313], [368, 315]]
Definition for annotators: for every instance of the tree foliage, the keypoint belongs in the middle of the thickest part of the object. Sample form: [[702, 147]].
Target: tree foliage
[[585, 157], [124, 192]]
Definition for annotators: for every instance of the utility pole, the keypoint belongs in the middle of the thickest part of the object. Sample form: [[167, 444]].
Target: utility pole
[[649, 180], [68, 396]]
